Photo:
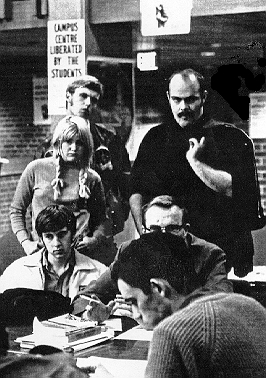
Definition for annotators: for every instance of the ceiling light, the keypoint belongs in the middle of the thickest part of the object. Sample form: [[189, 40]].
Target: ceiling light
[[207, 53]]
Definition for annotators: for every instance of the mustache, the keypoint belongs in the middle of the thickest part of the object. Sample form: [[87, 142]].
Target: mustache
[[185, 113]]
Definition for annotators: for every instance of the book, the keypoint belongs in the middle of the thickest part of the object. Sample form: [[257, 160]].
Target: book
[[26, 342], [65, 331], [29, 341], [70, 320], [70, 333]]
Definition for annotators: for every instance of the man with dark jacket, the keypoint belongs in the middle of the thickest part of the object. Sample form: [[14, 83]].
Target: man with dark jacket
[[209, 164]]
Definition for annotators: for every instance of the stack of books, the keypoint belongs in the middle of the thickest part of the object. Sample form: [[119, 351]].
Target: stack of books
[[65, 331]]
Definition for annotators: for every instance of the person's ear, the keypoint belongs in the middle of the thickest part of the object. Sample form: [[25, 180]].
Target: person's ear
[[40, 241], [186, 227], [204, 96], [161, 286], [68, 97]]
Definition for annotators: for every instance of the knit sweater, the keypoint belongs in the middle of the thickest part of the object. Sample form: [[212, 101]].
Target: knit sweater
[[34, 188], [222, 335]]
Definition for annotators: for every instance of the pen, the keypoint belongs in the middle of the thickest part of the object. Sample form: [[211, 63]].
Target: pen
[[72, 317], [89, 299]]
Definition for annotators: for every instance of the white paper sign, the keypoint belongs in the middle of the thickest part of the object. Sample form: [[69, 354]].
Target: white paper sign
[[257, 115], [66, 60], [163, 17]]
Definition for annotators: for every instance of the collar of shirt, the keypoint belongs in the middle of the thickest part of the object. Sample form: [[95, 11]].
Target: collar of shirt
[[47, 265], [53, 282]]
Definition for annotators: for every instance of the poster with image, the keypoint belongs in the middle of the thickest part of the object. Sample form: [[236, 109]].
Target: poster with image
[[40, 101], [163, 17]]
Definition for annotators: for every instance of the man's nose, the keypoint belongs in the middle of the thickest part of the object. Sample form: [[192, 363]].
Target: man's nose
[[56, 241], [183, 104], [87, 101]]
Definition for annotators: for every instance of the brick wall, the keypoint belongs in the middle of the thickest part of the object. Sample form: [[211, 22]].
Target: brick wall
[[18, 136], [8, 186]]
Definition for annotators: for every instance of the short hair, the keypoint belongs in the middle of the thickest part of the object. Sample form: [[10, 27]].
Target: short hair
[[165, 202], [150, 256], [86, 81], [54, 218], [69, 127], [186, 74]]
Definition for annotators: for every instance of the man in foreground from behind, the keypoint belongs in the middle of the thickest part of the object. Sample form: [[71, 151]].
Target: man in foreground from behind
[[214, 335]]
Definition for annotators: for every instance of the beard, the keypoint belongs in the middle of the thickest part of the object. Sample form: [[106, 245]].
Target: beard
[[157, 309]]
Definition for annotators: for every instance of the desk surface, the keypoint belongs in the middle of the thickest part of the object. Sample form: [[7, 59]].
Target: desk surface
[[257, 275]]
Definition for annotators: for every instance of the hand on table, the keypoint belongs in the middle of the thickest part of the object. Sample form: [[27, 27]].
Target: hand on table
[[93, 365], [101, 372]]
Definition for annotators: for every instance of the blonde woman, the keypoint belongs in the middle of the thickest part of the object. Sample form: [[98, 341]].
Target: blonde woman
[[64, 178]]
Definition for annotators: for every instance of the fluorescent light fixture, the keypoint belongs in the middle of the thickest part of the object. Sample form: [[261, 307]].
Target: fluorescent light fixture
[[216, 45], [147, 61], [207, 53]]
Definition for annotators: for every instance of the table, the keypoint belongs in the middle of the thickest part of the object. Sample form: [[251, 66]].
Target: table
[[252, 285]]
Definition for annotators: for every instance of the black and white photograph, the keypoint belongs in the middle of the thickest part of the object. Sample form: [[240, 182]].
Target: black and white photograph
[[133, 188]]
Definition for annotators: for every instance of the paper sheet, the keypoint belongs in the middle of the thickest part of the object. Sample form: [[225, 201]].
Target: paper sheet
[[118, 368], [114, 323], [136, 333]]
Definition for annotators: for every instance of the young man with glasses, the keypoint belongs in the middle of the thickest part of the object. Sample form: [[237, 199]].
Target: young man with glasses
[[199, 265]]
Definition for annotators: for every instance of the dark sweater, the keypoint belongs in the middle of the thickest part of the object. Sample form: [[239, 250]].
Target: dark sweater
[[161, 168]]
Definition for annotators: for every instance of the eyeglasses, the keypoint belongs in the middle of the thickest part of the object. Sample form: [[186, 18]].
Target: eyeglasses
[[168, 228]]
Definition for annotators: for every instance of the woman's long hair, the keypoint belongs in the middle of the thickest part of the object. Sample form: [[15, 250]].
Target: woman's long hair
[[69, 127], [66, 129]]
